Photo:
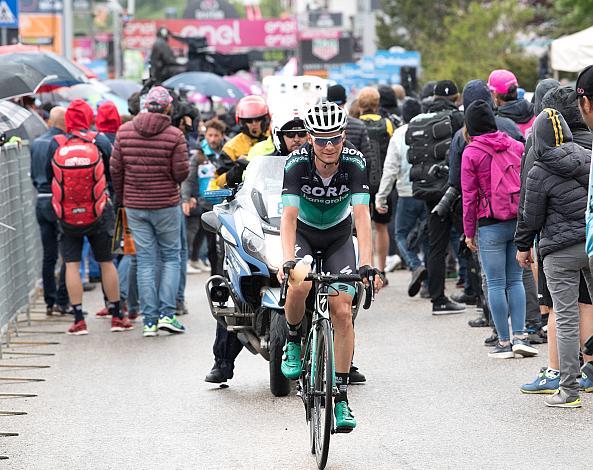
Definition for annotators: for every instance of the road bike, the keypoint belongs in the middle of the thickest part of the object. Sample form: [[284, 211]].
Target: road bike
[[317, 384]]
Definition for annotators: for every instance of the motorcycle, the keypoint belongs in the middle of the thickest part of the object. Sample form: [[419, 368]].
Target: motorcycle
[[245, 299]]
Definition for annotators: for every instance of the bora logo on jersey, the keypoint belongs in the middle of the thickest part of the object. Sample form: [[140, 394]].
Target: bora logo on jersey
[[319, 191]]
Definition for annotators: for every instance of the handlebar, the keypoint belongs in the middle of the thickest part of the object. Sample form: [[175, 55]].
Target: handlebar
[[330, 279]]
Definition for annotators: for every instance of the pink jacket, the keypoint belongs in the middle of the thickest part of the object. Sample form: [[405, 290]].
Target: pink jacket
[[475, 177]]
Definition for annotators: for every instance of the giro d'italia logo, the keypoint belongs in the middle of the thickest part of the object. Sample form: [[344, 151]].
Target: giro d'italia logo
[[325, 49]]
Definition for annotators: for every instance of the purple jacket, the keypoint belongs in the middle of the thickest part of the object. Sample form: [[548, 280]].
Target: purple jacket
[[475, 177]]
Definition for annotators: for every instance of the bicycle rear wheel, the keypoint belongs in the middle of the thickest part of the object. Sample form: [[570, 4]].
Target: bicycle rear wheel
[[322, 412]]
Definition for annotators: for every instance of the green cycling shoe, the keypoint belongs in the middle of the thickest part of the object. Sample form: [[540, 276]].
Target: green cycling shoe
[[345, 421], [291, 361]]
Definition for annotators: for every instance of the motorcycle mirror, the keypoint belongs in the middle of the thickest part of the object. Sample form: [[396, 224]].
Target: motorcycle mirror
[[210, 222]]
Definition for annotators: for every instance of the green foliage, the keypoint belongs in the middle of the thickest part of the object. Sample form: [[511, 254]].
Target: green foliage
[[573, 15], [270, 8], [460, 40]]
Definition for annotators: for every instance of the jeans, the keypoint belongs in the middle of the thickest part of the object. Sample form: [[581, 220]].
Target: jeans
[[506, 293], [156, 235], [183, 255], [127, 270], [50, 233], [563, 270], [408, 214]]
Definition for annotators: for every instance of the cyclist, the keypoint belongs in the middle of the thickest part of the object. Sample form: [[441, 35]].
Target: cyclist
[[325, 182]]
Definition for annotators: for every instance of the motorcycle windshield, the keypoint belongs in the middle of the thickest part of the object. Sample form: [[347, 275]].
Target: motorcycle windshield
[[261, 190]]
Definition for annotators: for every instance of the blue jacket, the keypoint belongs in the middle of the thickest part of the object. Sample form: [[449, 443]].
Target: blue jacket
[[40, 157]]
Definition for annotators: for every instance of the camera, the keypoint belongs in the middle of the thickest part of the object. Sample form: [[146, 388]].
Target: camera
[[447, 202], [438, 170]]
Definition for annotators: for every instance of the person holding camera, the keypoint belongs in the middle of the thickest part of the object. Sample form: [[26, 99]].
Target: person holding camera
[[429, 137], [490, 183]]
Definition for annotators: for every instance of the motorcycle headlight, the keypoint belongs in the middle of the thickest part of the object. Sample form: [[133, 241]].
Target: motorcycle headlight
[[253, 244]]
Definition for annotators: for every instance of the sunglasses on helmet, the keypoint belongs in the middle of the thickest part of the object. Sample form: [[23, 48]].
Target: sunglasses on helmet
[[294, 133], [325, 141]]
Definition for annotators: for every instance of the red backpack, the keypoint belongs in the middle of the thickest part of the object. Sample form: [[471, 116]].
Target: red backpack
[[79, 185]]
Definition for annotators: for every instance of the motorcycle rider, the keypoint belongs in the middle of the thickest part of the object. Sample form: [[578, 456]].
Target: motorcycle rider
[[288, 134], [162, 59], [253, 115], [336, 173]]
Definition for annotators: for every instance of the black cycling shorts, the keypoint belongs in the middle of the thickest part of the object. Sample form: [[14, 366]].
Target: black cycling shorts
[[100, 237], [339, 256]]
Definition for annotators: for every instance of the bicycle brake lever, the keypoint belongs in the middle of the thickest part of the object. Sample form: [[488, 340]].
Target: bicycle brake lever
[[283, 292]]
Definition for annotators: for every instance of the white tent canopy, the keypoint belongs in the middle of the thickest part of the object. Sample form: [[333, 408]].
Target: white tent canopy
[[574, 52]]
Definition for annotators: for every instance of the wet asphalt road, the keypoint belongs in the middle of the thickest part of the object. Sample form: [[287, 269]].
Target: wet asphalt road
[[433, 400]]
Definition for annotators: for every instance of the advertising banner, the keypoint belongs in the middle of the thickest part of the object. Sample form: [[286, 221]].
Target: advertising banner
[[42, 29], [225, 36]]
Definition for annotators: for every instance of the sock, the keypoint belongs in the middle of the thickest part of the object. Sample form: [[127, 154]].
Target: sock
[[78, 313], [294, 333], [342, 384], [114, 310], [552, 373]]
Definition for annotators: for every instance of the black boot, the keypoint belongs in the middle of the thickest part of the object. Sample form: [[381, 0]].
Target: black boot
[[227, 368], [216, 374]]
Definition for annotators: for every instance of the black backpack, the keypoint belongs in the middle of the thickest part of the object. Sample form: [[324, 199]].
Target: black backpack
[[429, 138], [379, 141]]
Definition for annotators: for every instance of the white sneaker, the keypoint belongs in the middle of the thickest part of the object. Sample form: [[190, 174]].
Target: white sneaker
[[202, 266], [192, 268], [392, 263]]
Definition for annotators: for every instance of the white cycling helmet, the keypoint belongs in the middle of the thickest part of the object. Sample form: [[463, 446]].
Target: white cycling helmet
[[283, 121], [326, 117]]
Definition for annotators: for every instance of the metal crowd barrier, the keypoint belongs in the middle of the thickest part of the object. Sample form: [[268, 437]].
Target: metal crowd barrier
[[20, 244]]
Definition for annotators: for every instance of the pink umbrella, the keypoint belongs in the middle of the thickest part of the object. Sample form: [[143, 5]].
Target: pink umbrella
[[246, 86]]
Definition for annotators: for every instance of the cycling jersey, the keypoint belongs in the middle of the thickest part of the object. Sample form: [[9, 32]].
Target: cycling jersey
[[324, 204]]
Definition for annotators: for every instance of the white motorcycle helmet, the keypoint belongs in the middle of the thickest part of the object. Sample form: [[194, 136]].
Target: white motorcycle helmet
[[290, 120]]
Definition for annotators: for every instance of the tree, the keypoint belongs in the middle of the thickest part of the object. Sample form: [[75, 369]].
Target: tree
[[573, 15], [458, 39], [477, 41]]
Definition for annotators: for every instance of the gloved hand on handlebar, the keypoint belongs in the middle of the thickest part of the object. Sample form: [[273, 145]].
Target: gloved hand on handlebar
[[285, 272], [366, 272]]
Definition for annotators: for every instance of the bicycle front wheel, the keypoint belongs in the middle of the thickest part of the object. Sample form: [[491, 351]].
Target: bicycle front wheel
[[323, 377]]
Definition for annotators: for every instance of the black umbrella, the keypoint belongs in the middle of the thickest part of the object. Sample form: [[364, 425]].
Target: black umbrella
[[18, 121], [64, 72], [18, 80], [207, 84]]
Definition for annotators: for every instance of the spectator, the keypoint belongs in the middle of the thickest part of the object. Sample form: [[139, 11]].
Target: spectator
[[162, 59], [555, 204], [562, 100], [494, 211], [356, 131], [388, 105], [202, 169], [78, 221], [56, 300], [380, 130], [504, 87], [149, 162], [108, 120], [409, 212], [400, 93], [444, 103]]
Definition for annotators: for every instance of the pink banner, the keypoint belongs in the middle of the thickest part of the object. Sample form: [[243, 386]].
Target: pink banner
[[225, 36]]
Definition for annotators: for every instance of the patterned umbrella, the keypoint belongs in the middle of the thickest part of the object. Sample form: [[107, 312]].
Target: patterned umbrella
[[18, 121]]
